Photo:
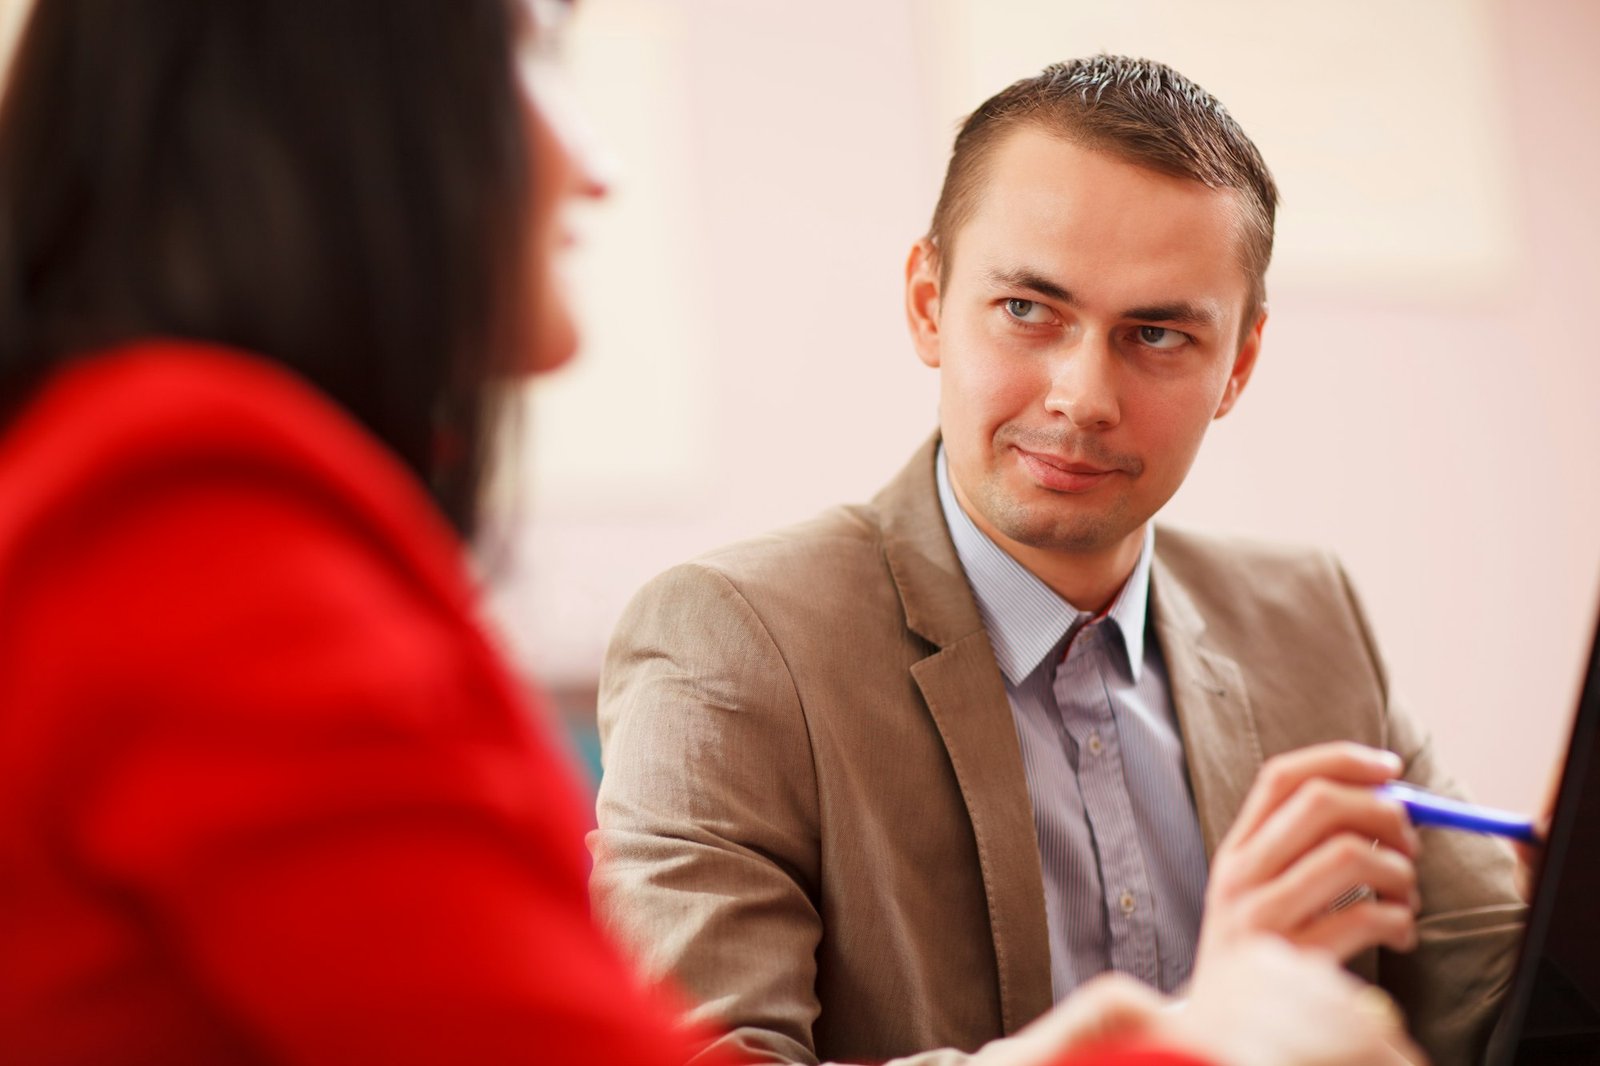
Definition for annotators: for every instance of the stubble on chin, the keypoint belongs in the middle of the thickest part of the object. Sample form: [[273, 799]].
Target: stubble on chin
[[1059, 524], [1057, 521]]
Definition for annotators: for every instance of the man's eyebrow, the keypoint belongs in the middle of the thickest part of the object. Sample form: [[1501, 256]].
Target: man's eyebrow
[[1027, 279], [1180, 313]]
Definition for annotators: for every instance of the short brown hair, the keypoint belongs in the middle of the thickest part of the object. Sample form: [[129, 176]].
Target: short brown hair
[[1138, 110]]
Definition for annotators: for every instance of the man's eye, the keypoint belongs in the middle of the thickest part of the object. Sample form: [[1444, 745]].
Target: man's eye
[[1027, 311], [1161, 338]]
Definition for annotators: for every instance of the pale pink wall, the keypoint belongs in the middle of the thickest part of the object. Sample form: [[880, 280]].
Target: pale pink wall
[[1449, 451]]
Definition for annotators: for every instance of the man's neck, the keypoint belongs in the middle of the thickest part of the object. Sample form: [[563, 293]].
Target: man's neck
[[1089, 581]]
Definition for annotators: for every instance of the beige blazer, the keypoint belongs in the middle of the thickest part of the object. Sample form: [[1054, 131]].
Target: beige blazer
[[813, 814]]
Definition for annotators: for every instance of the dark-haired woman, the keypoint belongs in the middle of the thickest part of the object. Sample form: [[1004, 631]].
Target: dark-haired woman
[[267, 794]]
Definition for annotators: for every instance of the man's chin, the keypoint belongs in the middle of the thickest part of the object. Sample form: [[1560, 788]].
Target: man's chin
[[1078, 534], [1070, 540]]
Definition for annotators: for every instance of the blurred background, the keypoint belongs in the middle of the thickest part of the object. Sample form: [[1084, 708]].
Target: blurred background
[[1428, 398]]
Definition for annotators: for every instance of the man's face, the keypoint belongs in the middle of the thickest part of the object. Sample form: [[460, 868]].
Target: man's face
[[1087, 332]]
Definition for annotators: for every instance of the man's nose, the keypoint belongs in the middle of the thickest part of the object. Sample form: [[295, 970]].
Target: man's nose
[[1083, 385]]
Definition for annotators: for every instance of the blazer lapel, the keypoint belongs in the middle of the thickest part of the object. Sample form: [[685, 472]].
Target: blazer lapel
[[965, 694], [1220, 740]]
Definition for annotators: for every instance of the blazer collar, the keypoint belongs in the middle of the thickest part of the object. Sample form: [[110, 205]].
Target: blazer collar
[[1220, 741], [933, 588]]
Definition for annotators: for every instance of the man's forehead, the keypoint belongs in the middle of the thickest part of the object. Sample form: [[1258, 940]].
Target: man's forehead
[[1043, 170], [1076, 216]]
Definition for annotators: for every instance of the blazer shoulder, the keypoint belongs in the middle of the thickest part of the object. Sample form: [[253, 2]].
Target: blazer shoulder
[[1247, 563], [807, 585], [1258, 586], [837, 554], [851, 530], [1182, 546]]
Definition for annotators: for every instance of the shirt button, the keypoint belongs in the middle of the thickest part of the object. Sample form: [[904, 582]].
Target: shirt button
[[1095, 746], [1127, 902]]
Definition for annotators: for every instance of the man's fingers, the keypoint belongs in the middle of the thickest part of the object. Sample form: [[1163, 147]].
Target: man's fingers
[[1375, 1006], [1107, 1007], [1370, 923], [1282, 775], [1318, 811], [1301, 896], [1529, 858], [1111, 1005], [1264, 1000]]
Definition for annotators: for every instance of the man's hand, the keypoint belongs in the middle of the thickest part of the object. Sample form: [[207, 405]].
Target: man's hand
[[1254, 1002], [1107, 1008], [1263, 1003], [1530, 857], [1312, 828]]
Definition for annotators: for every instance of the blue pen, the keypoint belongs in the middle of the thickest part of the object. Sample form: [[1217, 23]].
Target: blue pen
[[1425, 808]]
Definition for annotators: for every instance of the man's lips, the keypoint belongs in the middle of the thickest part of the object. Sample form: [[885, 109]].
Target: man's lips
[[1062, 475]]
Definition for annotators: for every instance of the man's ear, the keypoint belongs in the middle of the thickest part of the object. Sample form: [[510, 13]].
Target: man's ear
[[922, 300], [1243, 365]]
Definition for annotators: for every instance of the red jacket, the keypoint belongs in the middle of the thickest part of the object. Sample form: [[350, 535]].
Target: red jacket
[[267, 794]]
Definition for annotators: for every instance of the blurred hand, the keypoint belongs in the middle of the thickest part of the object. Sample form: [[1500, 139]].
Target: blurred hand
[[1263, 1003], [1109, 1007], [1255, 1002], [1311, 828]]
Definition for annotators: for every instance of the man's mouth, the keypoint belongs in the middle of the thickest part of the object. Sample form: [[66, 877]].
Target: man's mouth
[[1061, 474]]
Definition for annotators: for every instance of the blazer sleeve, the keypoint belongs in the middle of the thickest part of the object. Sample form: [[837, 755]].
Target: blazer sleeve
[[706, 859], [706, 855], [1452, 985]]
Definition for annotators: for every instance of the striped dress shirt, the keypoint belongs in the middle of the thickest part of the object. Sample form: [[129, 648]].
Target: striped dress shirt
[[1119, 840]]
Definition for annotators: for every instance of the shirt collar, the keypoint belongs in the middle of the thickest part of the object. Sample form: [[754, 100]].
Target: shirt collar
[[1026, 618]]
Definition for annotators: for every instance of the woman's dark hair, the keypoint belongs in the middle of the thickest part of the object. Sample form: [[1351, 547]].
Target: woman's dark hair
[[339, 185]]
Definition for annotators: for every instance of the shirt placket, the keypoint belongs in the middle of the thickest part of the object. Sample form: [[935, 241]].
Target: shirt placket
[[1085, 706]]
